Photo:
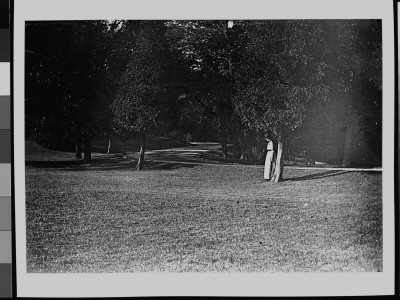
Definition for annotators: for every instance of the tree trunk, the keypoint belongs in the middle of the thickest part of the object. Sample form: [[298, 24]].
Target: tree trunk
[[224, 148], [140, 163], [223, 134], [237, 151], [247, 147], [88, 150], [109, 146], [78, 146], [124, 144], [347, 148], [78, 150], [278, 170], [350, 132]]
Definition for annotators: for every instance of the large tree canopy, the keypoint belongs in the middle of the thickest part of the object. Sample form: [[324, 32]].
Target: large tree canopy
[[275, 79], [140, 105]]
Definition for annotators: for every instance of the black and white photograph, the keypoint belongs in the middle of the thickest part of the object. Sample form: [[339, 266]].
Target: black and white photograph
[[211, 145]]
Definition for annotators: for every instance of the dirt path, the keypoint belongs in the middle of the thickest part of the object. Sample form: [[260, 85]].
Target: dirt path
[[210, 154]]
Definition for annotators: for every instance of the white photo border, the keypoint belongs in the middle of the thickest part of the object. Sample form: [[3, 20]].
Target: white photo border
[[205, 284]]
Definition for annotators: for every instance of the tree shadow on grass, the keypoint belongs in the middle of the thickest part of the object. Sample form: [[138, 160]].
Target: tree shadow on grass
[[325, 174], [110, 164], [54, 163], [156, 165]]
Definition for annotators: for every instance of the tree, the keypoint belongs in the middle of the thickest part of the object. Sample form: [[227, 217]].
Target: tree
[[323, 74], [272, 87], [137, 107], [89, 46]]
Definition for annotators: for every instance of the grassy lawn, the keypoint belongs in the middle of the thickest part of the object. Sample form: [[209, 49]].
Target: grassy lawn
[[201, 218]]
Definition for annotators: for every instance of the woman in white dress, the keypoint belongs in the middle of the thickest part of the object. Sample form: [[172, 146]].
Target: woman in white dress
[[268, 159]]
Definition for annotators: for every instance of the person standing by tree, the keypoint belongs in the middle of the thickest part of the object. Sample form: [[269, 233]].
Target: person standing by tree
[[268, 159]]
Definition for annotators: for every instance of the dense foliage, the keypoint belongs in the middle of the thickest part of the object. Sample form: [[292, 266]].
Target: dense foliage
[[313, 86]]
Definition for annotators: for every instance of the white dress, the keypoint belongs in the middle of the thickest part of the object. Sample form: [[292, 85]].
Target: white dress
[[268, 160]]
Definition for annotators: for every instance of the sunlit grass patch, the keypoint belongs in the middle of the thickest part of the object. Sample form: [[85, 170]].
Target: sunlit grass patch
[[202, 218]]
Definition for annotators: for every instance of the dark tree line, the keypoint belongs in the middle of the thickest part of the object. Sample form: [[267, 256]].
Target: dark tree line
[[309, 85], [66, 83]]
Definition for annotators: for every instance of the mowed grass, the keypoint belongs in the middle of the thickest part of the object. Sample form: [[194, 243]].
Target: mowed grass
[[202, 218]]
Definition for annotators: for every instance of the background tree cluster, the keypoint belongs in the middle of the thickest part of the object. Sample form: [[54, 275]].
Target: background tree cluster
[[310, 85]]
